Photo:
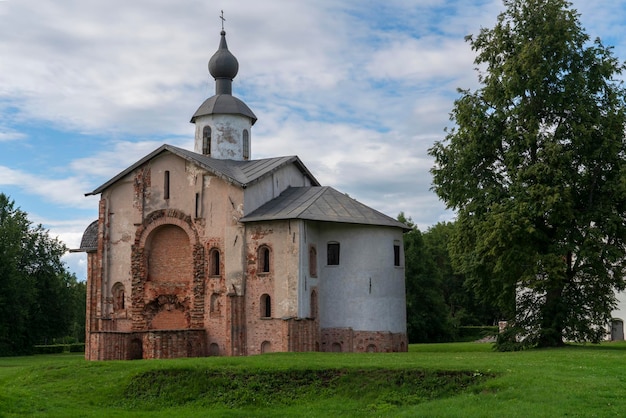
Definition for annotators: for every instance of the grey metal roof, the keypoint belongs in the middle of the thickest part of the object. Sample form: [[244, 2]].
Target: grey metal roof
[[320, 204], [241, 173], [89, 242], [223, 104]]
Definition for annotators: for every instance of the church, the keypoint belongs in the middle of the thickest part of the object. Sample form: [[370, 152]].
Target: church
[[212, 253]]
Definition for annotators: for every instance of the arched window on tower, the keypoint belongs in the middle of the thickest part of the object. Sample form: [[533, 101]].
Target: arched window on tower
[[206, 140], [246, 145]]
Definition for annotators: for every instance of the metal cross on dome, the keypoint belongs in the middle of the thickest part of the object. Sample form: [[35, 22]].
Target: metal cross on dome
[[223, 20]]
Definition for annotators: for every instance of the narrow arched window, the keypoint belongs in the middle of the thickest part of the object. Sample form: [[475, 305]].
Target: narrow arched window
[[396, 253], [266, 306], [313, 261], [206, 140], [246, 145], [166, 185], [264, 259], [214, 262]]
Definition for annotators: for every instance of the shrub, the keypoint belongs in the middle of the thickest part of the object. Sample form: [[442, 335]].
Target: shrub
[[473, 333], [50, 349], [77, 348]]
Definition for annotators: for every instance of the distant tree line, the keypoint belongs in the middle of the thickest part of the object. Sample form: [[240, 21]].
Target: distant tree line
[[40, 300], [438, 299]]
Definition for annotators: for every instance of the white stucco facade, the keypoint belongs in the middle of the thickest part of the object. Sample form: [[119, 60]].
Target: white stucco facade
[[230, 136]]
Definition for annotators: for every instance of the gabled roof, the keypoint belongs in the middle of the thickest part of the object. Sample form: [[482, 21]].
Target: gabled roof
[[241, 173], [320, 204]]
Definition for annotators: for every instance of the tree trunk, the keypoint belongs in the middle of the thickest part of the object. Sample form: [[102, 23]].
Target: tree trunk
[[553, 316]]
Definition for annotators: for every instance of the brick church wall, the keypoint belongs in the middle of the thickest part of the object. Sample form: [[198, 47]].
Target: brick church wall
[[94, 288], [348, 340], [238, 328], [178, 308], [150, 344], [303, 335]]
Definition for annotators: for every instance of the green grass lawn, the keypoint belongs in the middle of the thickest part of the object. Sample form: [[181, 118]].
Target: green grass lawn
[[432, 380]]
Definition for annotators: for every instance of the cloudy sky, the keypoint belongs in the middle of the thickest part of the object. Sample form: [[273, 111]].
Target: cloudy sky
[[359, 90]]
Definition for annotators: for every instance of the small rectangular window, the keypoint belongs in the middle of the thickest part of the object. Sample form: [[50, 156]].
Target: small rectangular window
[[333, 253], [197, 205], [166, 185], [396, 254]]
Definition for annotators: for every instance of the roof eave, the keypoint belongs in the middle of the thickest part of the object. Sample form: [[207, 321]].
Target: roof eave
[[152, 155], [83, 250], [304, 218], [128, 170]]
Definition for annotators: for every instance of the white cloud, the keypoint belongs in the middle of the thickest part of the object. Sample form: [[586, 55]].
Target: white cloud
[[66, 192], [10, 135], [359, 90], [425, 60], [119, 155]]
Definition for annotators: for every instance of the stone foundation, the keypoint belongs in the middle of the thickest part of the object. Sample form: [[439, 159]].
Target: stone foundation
[[154, 344], [349, 340]]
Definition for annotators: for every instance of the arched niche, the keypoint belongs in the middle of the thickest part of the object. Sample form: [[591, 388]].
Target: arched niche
[[167, 254]]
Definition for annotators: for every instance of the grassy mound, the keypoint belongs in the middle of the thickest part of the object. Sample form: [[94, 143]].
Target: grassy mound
[[569, 381], [269, 388]]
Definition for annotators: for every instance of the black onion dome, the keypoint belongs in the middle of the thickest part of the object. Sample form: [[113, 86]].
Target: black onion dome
[[223, 64]]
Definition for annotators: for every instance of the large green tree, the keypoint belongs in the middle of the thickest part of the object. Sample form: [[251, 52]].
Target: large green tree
[[534, 167], [39, 299]]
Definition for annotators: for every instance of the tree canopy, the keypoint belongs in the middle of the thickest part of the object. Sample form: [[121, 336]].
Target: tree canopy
[[534, 167], [39, 299]]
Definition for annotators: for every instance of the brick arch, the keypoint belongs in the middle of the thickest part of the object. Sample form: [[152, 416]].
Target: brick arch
[[139, 266], [167, 312], [166, 217]]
